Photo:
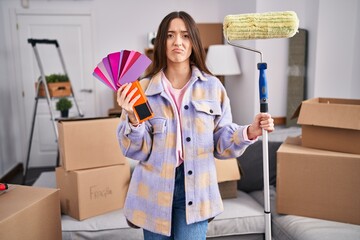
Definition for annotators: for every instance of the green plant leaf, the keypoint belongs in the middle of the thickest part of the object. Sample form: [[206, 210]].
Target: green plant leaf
[[53, 78], [63, 104]]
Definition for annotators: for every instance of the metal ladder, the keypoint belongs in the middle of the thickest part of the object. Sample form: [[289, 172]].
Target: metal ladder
[[42, 81]]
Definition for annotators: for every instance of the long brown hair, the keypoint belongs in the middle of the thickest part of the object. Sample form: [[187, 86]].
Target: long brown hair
[[197, 56]]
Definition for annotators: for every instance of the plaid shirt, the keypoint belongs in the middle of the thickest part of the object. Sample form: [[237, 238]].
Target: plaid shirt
[[207, 131]]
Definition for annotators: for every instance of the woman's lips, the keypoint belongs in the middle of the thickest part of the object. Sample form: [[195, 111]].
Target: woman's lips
[[177, 50]]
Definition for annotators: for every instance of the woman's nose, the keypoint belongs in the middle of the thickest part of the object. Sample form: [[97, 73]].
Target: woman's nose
[[178, 41]]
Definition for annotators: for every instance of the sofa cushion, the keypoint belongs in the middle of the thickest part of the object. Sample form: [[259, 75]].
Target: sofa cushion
[[291, 227], [242, 215], [251, 164]]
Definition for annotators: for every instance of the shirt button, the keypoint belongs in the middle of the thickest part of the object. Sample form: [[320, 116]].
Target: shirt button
[[188, 139], [190, 203], [190, 172], [186, 107], [211, 111]]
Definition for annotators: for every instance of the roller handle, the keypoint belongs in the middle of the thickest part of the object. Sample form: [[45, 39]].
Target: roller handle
[[264, 109], [33, 42], [263, 92]]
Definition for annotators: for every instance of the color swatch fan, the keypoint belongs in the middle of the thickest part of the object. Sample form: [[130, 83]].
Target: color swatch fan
[[122, 67]]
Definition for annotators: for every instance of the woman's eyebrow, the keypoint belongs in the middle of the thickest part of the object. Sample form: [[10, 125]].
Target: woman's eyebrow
[[182, 31]]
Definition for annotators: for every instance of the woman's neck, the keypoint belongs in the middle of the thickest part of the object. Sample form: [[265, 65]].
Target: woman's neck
[[178, 74]]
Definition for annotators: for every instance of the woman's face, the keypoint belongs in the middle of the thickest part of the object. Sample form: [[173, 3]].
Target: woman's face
[[178, 44]]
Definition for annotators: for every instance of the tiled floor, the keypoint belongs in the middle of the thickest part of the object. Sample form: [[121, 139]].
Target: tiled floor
[[32, 175]]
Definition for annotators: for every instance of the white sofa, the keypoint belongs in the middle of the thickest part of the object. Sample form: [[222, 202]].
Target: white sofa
[[242, 219]]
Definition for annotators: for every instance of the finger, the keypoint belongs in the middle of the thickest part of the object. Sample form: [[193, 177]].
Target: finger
[[130, 95], [266, 124], [265, 116], [118, 92], [121, 93], [119, 98], [133, 101], [125, 88], [266, 120], [270, 128], [122, 87], [125, 97]]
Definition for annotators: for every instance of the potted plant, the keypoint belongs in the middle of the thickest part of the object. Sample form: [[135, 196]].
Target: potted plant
[[58, 85], [53, 78], [63, 105]]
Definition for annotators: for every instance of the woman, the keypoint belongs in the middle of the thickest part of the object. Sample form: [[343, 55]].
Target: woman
[[173, 192]]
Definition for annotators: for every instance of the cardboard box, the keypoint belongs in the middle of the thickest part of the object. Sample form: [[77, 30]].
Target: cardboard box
[[318, 183], [228, 189], [59, 89], [89, 143], [330, 124], [227, 175], [92, 192], [30, 213], [210, 34]]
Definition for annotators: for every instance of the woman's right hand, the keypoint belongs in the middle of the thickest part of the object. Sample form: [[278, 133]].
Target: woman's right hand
[[126, 101]]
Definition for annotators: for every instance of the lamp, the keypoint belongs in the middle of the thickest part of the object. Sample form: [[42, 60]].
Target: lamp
[[221, 60]]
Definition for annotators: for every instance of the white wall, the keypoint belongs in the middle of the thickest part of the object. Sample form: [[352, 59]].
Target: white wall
[[311, 19], [355, 84], [333, 56], [336, 48]]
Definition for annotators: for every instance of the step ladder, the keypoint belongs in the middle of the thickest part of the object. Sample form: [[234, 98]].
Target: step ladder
[[42, 81]]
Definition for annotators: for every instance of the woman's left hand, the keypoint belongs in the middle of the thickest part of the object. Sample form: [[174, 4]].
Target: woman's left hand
[[261, 121]]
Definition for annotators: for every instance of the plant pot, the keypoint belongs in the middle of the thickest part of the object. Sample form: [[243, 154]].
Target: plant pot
[[59, 89], [64, 113]]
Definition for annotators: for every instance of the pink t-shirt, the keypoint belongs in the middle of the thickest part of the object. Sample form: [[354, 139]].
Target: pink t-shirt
[[177, 97]]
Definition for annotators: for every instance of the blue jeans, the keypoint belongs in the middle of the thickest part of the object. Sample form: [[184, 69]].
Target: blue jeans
[[179, 229]]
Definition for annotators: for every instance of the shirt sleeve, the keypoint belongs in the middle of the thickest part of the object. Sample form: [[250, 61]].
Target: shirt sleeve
[[245, 136], [132, 127]]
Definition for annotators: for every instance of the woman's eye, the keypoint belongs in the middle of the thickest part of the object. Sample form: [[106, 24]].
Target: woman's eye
[[170, 35]]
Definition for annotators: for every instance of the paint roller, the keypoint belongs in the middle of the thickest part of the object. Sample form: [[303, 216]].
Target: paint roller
[[261, 26]]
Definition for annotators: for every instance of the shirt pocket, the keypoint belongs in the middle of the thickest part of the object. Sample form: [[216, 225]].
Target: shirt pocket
[[207, 107], [158, 129], [157, 125], [206, 111]]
